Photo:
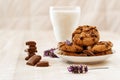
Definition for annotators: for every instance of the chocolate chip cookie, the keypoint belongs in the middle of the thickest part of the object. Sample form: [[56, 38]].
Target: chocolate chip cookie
[[102, 46], [85, 35], [69, 47], [85, 42]]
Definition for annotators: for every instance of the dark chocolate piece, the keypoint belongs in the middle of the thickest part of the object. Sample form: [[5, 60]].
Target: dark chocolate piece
[[42, 64], [33, 60], [32, 47], [30, 50], [29, 56], [30, 43]]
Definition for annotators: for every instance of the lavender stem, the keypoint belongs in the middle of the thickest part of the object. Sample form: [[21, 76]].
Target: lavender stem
[[99, 68]]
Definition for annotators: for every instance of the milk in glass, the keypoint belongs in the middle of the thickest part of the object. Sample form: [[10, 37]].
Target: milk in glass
[[64, 21]]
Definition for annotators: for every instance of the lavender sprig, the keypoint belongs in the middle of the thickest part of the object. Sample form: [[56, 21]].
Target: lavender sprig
[[78, 69], [50, 53], [82, 68]]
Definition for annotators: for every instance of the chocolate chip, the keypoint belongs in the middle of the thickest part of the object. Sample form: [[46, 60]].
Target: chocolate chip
[[87, 25], [81, 38], [81, 29], [84, 47], [93, 39]]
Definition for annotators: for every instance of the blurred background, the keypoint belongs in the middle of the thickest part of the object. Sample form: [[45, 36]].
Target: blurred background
[[34, 14]]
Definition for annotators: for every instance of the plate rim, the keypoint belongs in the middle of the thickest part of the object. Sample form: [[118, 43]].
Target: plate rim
[[84, 59], [85, 56]]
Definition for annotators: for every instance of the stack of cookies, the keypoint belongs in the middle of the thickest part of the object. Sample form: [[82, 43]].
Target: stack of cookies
[[32, 49], [85, 42]]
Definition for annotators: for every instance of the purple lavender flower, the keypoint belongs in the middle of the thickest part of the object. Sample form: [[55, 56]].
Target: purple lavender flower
[[70, 69], [86, 69], [50, 53], [78, 69], [52, 50], [68, 42], [46, 53]]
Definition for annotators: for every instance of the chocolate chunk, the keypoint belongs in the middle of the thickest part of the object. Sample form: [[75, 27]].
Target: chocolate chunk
[[32, 50], [87, 25], [30, 43], [42, 64], [29, 56], [81, 38], [33, 60]]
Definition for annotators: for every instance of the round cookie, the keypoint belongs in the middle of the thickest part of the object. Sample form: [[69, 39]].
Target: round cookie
[[69, 47], [85, 35], [102, 46]]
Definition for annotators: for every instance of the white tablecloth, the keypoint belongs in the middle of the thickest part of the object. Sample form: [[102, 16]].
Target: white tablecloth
[[13, 66]]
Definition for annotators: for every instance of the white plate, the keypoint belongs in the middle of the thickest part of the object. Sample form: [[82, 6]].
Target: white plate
[[81, 59]]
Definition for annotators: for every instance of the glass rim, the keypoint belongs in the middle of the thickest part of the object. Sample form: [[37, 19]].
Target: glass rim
[[64, 7]]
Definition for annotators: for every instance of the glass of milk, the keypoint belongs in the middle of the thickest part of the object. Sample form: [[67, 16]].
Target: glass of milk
[[64, 20]]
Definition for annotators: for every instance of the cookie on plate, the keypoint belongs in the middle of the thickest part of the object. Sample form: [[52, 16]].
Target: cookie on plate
[[69, 47], [85, 35], [102, 46]]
